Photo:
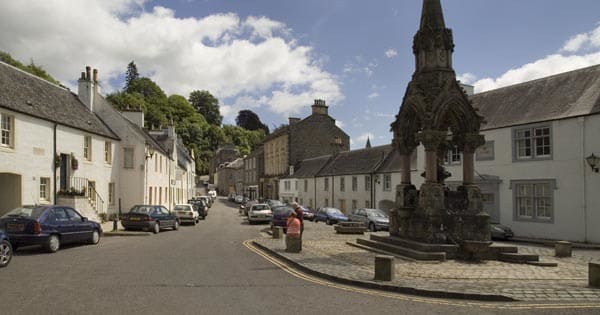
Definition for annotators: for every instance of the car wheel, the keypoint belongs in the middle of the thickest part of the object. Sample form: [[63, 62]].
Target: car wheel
[[372, 227], [327, 221], [194, 222], [95, 237], [156, 228], [6, 253], [53, 243], [176, 225]]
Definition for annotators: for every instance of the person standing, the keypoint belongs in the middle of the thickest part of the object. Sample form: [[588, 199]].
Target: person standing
[[293, 241], [299, 215]]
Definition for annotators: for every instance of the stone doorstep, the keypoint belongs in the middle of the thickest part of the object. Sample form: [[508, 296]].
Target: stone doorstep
[[449, 249], [383, 252], [518, 258]]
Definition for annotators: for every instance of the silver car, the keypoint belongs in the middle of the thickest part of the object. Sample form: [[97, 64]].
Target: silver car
[[186, 213], [375, 219], [259, 212]]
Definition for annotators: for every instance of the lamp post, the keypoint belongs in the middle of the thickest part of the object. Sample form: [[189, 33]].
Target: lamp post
[[594, 162]]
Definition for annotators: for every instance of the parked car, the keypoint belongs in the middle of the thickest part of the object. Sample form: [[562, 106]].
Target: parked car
[[280, 216], [375, 219], [149, 218], [330, 216], [186, 213], [239, 198], [6, 250], [49, 226], [274, 203], [213, 194], [307, 214], [501, 232], [209, 201], [260, 212], [200, 206]]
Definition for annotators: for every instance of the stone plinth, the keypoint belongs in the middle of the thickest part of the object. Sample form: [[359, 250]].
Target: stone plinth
[[293, 244], [384, 268], [563, 249], [277, 232], [594, 275]]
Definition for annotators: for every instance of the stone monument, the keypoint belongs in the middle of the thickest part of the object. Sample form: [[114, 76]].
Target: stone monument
[[437, 113]]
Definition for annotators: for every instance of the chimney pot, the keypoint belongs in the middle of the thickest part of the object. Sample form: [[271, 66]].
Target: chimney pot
[[87, 72], [82, 75], [95, 75]]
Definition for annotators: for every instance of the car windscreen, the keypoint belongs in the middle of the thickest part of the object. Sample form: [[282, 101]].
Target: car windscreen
[[26, 212], [377, 213], [333, 211], [182, 208], [141, 209], [282, 210], [275, 203], [260, 207]]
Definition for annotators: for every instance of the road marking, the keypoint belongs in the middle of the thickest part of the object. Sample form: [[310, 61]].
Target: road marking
[[398, 296]]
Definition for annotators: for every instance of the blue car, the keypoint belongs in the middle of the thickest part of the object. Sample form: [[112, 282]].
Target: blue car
[[330, 216], [280, 216], [49, 226], [5, 250]]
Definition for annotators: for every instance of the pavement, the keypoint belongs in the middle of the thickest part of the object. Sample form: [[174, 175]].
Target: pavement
[[331, 256]]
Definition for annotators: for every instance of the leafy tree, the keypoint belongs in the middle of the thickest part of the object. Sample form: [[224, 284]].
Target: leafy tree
[[244, 140], [248, 119], [207, 105], [125, 101], [131, 74], [31, 68]]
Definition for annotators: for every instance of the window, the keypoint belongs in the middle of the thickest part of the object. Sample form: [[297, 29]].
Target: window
[[532, 143], [387, 182], [305, 185], [128, 158], [87, 148], [156, 164], [45, 188], [286, 185], [326, 202], [150, 194], [367, 203], [354, 183], [342, 184], [73, 215], [111, 193], [533, 200], [452, 156], [354, 204], [7, 129], [296, 185], [367, 182], [326, 184], [108, 152], [161, 163]]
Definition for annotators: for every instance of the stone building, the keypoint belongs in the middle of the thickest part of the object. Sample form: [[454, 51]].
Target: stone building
[[224, 154], [313, 136], [253, 171]]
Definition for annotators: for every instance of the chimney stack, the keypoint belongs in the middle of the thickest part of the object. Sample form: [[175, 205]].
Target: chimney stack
[[293, 120], [86, 89], [319, 107]]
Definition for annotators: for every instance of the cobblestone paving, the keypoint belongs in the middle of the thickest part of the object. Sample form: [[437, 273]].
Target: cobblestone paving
[[327, 252]]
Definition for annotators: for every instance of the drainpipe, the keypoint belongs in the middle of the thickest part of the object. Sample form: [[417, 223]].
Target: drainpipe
[[332, 191], [584, 178], [53, 161], [315, 184]]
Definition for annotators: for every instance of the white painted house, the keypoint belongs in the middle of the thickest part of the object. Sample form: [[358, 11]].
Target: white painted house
[[533, 170], [51, 145]]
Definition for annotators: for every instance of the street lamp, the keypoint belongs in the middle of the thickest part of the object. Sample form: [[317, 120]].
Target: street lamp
[[593, 161]]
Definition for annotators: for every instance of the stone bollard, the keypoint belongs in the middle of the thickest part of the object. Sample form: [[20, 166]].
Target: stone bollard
[[277, 232], [563, 249], [594, 275], [293, 244], [384, 268]]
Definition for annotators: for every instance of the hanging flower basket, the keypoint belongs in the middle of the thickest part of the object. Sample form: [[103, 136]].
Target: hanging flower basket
[[74, 163], [56, 161]]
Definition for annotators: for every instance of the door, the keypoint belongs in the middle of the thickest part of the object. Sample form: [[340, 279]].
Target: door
[[63, 225], [64, 172], [82, 230], [10, 192]]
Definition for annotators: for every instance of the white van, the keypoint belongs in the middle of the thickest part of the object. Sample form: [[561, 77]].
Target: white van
[[212, 194]]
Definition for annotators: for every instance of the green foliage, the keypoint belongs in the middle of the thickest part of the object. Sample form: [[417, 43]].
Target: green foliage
[[248, 119], [131, 74], [31, 68], [207, 105], [244, 140]]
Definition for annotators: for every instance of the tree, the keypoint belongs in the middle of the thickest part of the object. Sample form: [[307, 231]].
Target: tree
[[247, 119], [131, 75], [31, 68], [207, 105]]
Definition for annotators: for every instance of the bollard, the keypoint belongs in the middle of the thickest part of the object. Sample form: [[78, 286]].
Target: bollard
[[384, 268], [563, 249], [594, 275], [277, 232]]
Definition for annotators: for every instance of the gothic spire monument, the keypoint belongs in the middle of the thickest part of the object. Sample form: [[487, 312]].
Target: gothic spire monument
[[437, 114]]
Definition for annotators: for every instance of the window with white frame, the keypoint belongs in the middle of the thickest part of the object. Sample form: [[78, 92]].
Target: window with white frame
[[305, 185], [108, 152], [453, 156], [387, 182], [367, 182], [532, 143], [326, 184], [7, 130], [127, 157], [111, 193], [296, 185], [44, 188], [87, 148], [533, 199], [286, 185], [342, 184], [354, 183]]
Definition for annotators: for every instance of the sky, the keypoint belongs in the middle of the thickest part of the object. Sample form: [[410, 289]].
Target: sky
[[275, 57]]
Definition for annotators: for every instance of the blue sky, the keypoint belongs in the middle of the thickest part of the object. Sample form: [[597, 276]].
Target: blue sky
[[276, 57]]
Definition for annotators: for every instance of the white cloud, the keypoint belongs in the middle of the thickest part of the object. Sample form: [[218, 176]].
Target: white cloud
[[362, 139], [340, 124], [391, 53], [580, 51], [222, 53], [373, 95]]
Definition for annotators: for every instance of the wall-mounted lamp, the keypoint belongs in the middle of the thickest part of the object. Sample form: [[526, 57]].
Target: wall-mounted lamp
[[594, 162], [150, 152], [377, 179]]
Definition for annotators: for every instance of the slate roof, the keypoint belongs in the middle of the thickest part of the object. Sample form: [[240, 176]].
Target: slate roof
[[565, 95], [27, 94], [309, 168], [361, 161]]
